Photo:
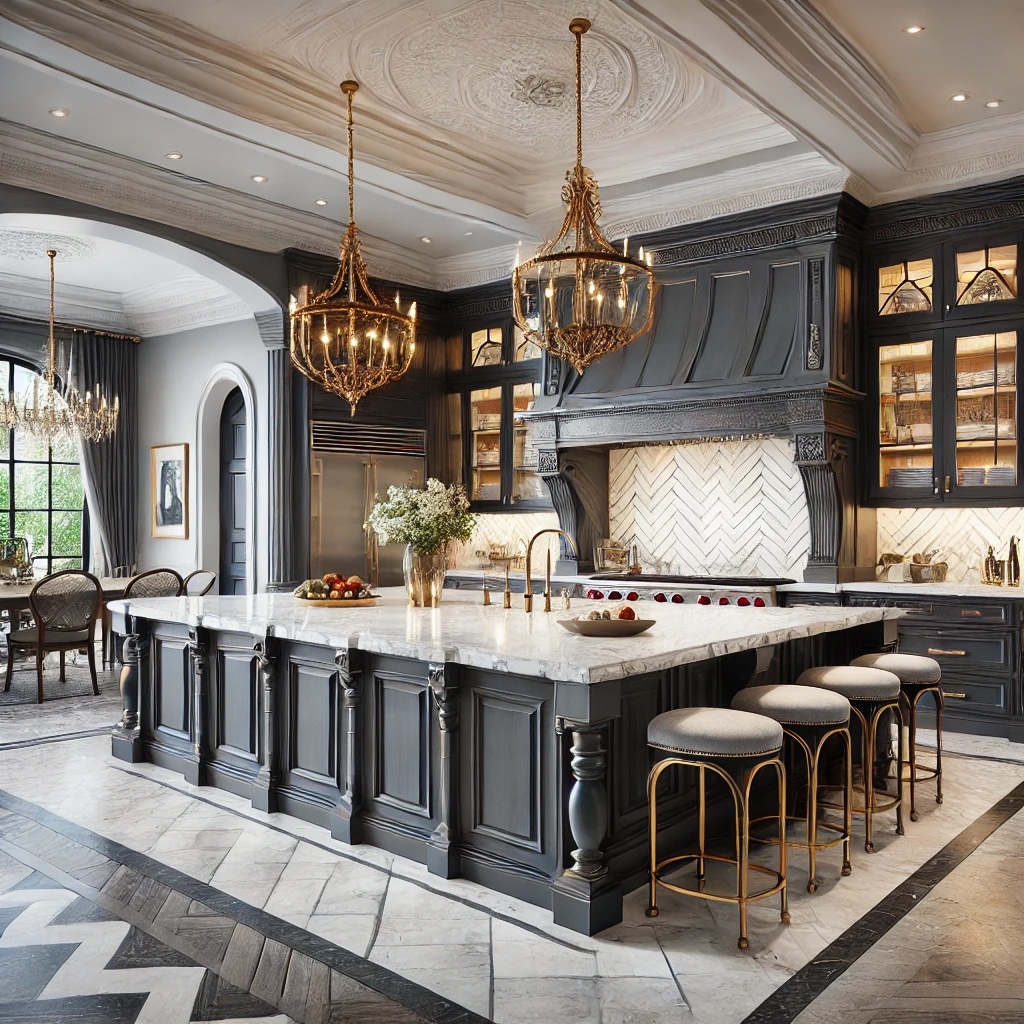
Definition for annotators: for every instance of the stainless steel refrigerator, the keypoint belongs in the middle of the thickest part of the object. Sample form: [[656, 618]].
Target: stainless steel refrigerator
[[344, 486]]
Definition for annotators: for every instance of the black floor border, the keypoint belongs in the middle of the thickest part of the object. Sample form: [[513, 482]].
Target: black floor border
[[429, 1005], [788, 1001]]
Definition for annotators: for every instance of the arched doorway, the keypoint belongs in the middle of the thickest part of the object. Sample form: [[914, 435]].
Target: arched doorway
[[234, 495]]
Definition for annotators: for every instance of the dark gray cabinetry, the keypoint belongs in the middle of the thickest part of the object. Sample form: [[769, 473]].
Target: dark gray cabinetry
[[976, 641]]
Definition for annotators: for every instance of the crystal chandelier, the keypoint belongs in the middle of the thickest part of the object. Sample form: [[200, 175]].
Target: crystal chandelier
[[51, 415], [590, 298], [345, 340]]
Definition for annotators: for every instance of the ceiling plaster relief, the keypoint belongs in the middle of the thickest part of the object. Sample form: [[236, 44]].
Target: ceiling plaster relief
[[32, 246]]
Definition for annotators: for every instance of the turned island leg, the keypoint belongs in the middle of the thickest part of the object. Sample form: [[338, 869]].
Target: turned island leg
[[263, 794], [346, 819], [125, 738], [442, 858], [584, 897]]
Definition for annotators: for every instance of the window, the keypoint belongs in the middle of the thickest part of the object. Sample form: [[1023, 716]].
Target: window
[[41, 492]]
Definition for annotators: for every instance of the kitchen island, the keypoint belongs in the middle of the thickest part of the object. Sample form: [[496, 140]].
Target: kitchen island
[[490, 744]]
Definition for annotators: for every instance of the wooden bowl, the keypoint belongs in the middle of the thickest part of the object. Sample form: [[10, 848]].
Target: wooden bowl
[[341, 602], [606, 627]]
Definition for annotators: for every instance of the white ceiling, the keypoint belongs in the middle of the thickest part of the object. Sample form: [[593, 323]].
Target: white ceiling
[[973, 48], [465, 117]]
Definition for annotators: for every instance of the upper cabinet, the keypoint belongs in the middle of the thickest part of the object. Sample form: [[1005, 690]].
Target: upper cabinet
[[969, 278], [498, 381]]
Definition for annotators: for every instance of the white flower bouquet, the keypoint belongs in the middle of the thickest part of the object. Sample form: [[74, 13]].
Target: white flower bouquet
[[427, 520]]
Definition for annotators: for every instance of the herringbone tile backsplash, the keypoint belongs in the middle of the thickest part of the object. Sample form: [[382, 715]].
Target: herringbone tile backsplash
[[961, 535], [725, 508], [512, 530]]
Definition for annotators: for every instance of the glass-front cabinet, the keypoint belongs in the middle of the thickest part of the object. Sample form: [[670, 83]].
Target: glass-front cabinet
[[947, 413], [489, 448]]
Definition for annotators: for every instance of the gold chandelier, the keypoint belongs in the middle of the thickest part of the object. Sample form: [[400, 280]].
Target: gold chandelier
[[354, 344], [52, 415], [590, 299]]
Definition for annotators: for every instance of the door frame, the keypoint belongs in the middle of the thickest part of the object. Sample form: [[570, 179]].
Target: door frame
[[223, 379]]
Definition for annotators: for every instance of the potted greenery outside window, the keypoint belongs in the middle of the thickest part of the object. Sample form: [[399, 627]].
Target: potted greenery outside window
[[426, 521]]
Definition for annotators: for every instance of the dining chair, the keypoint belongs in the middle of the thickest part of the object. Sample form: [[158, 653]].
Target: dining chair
[[198, 583], [152, 583], [65, 606]]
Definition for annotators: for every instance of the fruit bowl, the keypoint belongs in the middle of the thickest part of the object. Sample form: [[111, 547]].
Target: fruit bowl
[[341, 602], [606, 627]]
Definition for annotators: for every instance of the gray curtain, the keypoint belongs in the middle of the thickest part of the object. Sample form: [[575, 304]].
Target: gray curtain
[[110, 469]]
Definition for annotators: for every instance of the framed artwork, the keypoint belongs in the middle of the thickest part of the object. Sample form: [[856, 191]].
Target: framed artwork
[[169, 478]]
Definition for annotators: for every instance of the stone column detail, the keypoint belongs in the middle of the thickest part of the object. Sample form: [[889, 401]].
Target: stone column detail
[[195, 765], [126, 743], [346, 819], [444, 689], [263, 795]]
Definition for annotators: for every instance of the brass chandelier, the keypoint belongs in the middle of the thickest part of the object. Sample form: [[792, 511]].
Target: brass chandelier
[[53, 415], [346, 340], [578, 297]]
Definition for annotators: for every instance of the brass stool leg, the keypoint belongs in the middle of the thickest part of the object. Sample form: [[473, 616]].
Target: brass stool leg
[[743, 854], [700, 826], [780, 772], [868, 771], [911, 706], [901, 754], [940, 704], [812, 814], [847, 803], [652, 834]]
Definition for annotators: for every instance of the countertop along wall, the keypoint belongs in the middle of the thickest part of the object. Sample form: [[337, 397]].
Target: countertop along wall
[[173, 371]]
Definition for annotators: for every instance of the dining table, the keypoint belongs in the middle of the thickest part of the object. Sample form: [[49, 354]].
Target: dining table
[[14, 596]]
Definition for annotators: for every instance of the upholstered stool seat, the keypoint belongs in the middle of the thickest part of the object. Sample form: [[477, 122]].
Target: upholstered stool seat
[[714, 732], [853, 682], [735, 746], [872, 693], [810, 716], [918, 675]]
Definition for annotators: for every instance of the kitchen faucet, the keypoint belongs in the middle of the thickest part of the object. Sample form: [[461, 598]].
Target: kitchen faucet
[[528, 602]]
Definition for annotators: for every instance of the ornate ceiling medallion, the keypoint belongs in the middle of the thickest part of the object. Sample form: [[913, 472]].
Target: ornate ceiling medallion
[[354, 344], [579, 298]]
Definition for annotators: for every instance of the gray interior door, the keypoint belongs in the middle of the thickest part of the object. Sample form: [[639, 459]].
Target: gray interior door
[[233, 505]]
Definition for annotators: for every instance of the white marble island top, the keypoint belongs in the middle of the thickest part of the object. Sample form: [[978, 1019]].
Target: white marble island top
[[464, 632]]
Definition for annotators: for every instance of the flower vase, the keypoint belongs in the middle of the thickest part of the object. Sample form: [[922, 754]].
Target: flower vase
[[424, 576]]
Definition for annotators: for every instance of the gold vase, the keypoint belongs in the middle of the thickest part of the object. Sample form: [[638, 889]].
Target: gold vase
[[424, 576]]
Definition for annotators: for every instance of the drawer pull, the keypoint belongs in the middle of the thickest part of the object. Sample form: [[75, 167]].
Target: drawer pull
[[954, 696], [948, 654], [970, 613]]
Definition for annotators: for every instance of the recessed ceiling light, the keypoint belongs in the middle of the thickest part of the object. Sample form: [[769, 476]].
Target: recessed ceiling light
[[993, 103], [321, 202], [468, 233], [912, 30], [260, 179], [60, 112], [173, 156], [425, 239], [959, 97]]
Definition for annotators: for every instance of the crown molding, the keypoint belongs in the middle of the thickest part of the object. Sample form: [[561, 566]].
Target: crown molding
[[167, 308]]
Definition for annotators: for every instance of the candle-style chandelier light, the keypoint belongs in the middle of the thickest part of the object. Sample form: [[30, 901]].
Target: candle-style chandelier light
[[53, 414], [590, 298], [345, 340]]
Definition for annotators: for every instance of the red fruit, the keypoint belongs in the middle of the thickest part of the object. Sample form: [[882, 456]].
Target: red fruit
[[758, 602], [703, 599], [743, 602], [677, 598], [632, 596], [627, 613], [594, 595], [723, 600], [660, 597]]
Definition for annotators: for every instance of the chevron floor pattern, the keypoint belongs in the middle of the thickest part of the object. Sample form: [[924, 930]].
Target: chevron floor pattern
[[64, 958]]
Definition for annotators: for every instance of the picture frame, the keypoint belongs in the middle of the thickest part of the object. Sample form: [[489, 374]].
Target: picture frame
[[168, 465]]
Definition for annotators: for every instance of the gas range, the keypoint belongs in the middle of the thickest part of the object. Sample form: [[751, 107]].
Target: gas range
[[739, 591]]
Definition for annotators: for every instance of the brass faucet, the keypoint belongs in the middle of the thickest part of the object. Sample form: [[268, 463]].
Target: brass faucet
[[528, 596]]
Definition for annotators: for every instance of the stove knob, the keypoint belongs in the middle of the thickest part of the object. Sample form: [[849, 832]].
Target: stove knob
[[743, 602], [758, 602], [660, 597], [594, 595], [632, 596], [677, 598], [614, 595], [723, 600], [703, 599]]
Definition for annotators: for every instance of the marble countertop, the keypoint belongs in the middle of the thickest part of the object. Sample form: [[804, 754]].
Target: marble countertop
[[891, 588], [465, 632]]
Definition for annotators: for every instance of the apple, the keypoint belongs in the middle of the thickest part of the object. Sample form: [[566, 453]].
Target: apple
[[627, 613]]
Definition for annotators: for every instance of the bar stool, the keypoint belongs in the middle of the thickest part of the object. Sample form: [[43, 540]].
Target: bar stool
[[735, 746], [810, 717], [918, 675], [871, 692]]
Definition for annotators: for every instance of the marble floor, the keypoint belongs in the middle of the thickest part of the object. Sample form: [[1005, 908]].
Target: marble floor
[[320, 931]]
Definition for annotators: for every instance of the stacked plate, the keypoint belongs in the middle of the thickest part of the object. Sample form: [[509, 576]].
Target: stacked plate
[[972, 476], [1001, 476], [910, 476]]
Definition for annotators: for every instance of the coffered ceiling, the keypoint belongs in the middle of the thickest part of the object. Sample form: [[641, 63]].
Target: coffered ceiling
[[465, 115]]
